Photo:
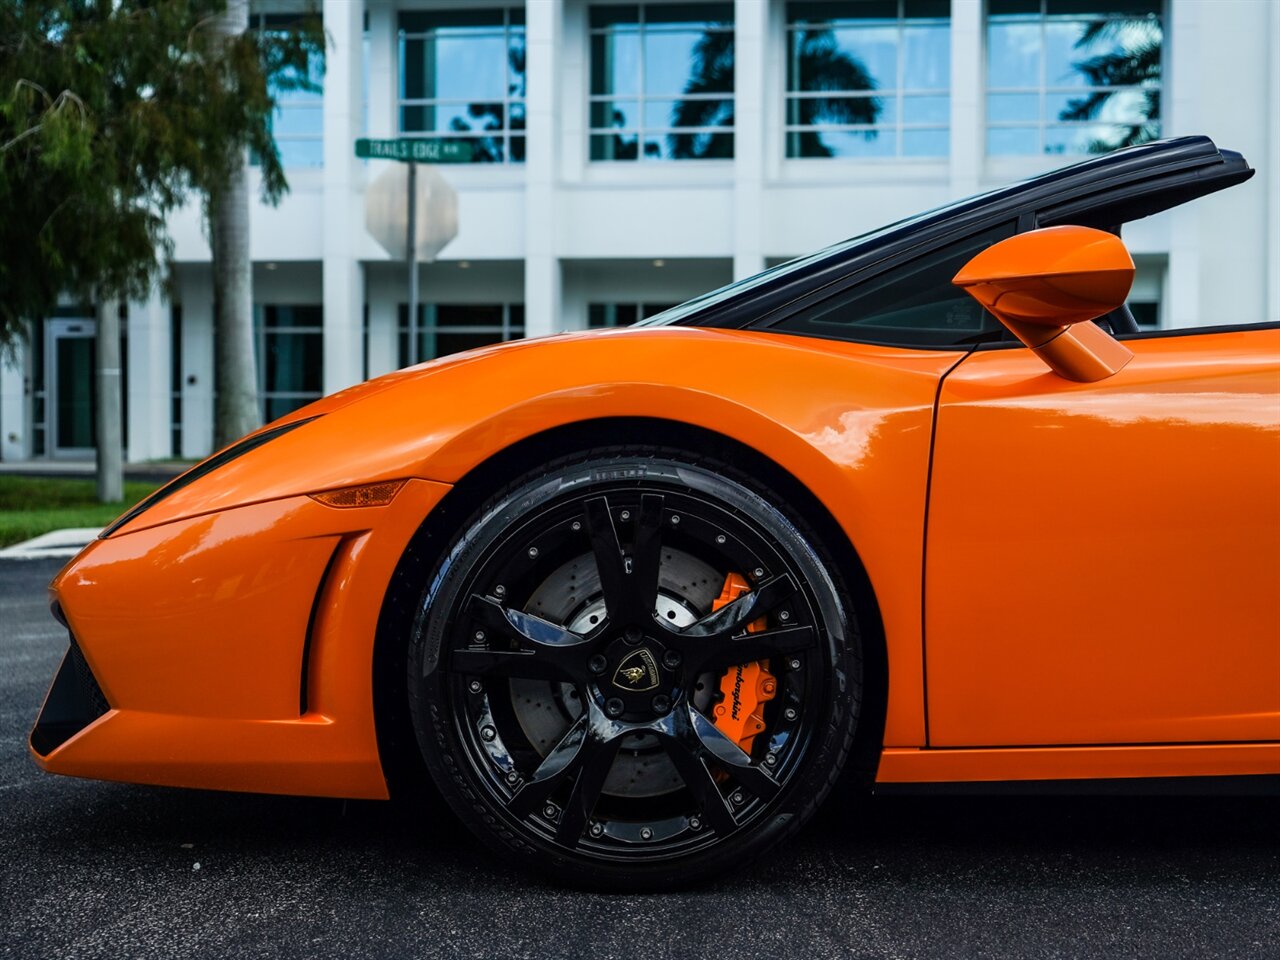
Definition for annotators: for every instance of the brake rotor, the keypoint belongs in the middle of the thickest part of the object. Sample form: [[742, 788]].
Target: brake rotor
[[572, 595]]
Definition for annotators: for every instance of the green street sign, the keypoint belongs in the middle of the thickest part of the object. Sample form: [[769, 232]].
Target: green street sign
[[414, 151]]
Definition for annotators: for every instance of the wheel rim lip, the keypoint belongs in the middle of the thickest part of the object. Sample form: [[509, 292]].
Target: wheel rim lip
[[791, 741]]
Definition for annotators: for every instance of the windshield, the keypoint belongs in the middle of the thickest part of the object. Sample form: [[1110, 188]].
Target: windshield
[[738, 287]]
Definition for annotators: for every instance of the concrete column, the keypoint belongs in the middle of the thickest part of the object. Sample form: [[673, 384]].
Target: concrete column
[[968, 80], [1181, 116], [383, 338], [15, 417], [343, 220], [1272, 168], [384, 52], [197, 362], [543, 276], [751, 32], [150, 379]]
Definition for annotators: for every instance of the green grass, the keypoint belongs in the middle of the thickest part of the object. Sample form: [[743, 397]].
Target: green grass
[[30, 506]]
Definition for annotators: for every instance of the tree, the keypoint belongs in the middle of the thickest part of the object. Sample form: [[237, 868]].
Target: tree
[[111, 112], [235, 370]]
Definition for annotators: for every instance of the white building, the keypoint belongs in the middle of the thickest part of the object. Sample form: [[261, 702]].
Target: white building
[[654, 150]]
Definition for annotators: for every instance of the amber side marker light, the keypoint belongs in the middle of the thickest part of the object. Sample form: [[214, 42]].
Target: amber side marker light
[[366, 495]]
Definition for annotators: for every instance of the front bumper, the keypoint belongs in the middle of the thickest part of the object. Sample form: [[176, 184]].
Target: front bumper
[[231, 650]]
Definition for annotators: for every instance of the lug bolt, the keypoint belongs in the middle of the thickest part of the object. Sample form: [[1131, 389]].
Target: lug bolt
[[475, 686], [499, 590], [737, 796], [576, 525], [613, 707], [646, 833], [695, 823], [513, 778], [720, 538], [675, 518], [626, 514], [633, 635], [795, 664], [758, 572], [597, 663], [533, 552], [479, 635], [784, 615], [790, 713], [597, 829], [550, 811], [661, 703], [488, 733], [771, 759], [671, 659]]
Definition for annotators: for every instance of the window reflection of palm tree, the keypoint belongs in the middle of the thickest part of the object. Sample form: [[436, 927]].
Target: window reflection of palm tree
[[1135, 64], [488, 118], [827, 68], [821, 62]]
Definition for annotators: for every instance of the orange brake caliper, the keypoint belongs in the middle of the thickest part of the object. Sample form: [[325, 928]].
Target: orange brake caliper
[[746, 688]]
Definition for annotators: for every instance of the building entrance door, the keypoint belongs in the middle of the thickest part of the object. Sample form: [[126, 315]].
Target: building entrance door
[[71, 350]]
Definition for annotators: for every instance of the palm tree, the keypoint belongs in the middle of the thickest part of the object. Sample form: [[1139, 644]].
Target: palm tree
[[1136, 64], [235, 366], [820, 59]]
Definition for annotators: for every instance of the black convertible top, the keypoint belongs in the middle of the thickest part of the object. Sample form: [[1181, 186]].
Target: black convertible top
[[1103, 191]]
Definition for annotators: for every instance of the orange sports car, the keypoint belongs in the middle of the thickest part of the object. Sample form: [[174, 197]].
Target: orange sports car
[[925, 507]]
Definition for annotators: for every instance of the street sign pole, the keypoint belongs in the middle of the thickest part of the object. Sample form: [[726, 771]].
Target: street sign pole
[[442, 221], [411, 253]]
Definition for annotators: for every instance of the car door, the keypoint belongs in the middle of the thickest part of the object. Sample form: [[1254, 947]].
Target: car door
[[1103, 560]]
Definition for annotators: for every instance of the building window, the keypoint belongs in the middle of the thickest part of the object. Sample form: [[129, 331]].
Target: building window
[[622, 314], [1146, 313], [462, 78], [868, 78], [662, 81], [290, 357], [1072, 77], [297, 124], [445, 328]]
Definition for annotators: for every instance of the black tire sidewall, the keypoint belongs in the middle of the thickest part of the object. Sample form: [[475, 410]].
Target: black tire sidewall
[[430, 696]]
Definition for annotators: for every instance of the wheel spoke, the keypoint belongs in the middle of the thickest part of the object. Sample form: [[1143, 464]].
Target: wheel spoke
[[733, 617], [646, 557], [629, 581], [686, 754], [583, 758], [720, 653], [608, 553], [556, 767], [595, 760], [548, 650], [733, 758]]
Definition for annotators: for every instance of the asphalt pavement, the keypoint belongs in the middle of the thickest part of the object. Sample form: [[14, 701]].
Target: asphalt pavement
[[93, 869]]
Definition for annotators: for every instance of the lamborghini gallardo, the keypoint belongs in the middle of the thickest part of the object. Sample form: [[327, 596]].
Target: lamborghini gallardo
[[925, 507]]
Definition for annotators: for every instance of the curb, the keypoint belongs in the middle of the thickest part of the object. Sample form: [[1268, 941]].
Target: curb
[[56, 543]]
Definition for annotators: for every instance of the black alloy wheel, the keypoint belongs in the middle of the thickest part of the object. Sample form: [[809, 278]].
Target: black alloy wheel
[[569, 657]]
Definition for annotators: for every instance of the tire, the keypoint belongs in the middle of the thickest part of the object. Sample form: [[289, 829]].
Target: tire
[[576, 681]]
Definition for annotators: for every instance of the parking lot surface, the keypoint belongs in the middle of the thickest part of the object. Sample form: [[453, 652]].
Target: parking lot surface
[[93, 869]]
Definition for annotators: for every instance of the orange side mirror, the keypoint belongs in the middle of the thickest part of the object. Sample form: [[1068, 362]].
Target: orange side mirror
[[1045, 285]]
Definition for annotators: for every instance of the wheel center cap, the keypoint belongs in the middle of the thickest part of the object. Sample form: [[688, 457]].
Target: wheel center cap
[[637, 672]]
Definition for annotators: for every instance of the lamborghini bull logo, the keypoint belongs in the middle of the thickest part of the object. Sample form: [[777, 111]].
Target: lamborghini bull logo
[[637, 672]]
